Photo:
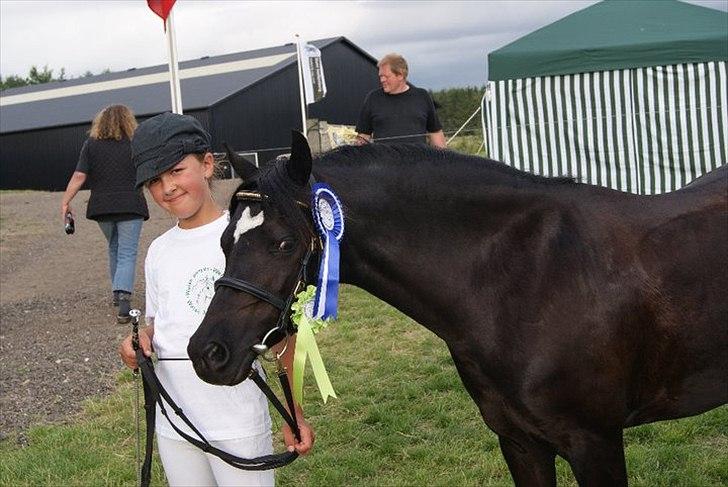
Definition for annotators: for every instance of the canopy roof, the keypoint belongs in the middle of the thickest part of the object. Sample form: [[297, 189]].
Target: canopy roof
[[616, 34]]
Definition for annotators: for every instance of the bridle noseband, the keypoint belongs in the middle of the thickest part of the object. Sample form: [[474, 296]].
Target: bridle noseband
[[283, 324]]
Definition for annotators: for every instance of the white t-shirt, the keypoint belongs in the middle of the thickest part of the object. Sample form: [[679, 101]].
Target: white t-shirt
[[181, 268]]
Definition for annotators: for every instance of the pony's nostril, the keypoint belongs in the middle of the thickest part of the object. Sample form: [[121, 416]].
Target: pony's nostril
[[215, 355]]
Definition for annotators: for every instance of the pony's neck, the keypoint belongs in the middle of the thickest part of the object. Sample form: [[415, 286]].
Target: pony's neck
[[406, 227]]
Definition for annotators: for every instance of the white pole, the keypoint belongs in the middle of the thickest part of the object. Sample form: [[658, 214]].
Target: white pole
[[174, 86], [300, 85], [463, 125]]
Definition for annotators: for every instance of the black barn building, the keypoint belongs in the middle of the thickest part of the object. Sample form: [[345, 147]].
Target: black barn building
[[248, 99]]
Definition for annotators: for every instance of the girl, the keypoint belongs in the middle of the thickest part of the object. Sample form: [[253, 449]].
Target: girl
[[172, 156], [118, 207]]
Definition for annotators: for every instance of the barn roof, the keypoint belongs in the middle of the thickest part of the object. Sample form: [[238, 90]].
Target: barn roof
[[616, 34], [204, 82]]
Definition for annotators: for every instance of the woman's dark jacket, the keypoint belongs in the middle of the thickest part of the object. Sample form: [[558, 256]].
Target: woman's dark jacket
[[111, 178]]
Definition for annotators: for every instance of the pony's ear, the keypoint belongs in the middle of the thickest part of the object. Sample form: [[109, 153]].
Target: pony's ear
[[299, 164], [245, 169]]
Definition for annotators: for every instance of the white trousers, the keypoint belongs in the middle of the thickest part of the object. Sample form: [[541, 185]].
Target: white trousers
[[186, 465]]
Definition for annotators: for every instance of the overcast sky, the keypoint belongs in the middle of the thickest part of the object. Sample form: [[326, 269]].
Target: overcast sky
[[445, 43]]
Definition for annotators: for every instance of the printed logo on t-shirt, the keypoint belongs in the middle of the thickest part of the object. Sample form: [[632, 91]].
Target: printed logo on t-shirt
[[200, 289]]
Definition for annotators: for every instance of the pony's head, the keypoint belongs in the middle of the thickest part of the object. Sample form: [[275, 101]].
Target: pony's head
[[268, 238]]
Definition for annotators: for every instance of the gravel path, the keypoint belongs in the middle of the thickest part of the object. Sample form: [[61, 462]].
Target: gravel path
[[58, 330]]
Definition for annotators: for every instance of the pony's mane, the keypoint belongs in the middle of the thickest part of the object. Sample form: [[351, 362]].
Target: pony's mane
[[282, 193], [424, 156]]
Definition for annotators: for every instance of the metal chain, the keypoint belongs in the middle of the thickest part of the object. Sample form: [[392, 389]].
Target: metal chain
[[135, 313]]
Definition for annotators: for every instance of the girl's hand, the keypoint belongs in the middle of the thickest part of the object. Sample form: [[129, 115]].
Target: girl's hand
[[307, 436], [127, 353]]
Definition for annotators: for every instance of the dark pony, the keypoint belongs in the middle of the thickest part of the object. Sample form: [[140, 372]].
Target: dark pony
[[571, 311]]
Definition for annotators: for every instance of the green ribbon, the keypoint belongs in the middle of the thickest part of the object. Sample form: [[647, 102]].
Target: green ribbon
[[306, 348]]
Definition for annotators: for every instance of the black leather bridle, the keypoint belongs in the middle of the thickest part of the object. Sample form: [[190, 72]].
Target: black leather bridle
[[283, 324]]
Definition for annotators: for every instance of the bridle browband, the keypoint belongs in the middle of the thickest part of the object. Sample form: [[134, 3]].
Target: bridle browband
[[154, 392]]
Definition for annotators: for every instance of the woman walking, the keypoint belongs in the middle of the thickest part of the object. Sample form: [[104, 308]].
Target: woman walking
[[119, 209]]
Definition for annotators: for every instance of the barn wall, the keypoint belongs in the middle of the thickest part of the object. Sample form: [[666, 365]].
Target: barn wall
[[259, 117], [40, 159], [263, 116], [45, 159], [349, 77]]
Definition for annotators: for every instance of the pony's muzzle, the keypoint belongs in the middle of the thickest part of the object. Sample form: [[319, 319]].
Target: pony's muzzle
[[215, 356]]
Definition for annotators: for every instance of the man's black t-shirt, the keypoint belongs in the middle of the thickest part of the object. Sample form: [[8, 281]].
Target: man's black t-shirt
[[385, 116]]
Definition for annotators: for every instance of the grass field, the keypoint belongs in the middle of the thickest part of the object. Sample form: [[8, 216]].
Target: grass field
[[468, 144], [402, 418]]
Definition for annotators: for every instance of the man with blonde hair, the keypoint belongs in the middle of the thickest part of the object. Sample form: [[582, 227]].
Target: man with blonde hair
[[398, 112]]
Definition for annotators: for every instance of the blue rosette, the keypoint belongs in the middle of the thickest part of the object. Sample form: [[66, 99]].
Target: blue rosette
[[328, 216]]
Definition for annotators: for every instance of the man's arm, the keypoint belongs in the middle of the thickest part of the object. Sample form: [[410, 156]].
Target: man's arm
[[437, 139], [364, 124]]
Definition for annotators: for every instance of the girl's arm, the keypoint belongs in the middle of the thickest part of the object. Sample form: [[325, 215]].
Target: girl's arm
[[307, 433]]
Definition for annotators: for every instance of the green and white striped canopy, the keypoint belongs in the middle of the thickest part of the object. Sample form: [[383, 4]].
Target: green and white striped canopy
[[646, 130]]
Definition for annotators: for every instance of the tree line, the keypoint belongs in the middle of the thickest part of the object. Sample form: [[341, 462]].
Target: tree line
[[455, 105], [38, 76]]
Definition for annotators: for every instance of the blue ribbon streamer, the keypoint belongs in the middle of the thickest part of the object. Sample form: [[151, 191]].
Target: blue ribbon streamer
[[328, 216]]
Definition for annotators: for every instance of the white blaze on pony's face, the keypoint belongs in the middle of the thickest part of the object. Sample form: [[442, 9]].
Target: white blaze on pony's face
[[247, 222]]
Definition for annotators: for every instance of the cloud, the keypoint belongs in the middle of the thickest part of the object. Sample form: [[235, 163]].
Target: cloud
[[446, 43], [86, 35]]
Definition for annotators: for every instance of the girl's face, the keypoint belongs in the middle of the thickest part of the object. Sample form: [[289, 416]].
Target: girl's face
[[183, 190]]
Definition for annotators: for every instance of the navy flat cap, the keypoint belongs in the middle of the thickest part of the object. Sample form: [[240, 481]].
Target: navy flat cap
[[162, 141]]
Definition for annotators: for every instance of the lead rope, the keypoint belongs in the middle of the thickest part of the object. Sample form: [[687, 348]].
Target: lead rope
[[155, 394], [138, 455]]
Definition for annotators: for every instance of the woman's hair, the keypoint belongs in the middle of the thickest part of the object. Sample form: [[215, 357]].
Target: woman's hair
[[113, 122], [396, 63]]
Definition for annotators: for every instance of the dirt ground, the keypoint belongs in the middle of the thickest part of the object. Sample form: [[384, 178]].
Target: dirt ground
[[58, 330]]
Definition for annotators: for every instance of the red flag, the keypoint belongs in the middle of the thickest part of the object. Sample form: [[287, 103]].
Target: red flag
[[161, 7]]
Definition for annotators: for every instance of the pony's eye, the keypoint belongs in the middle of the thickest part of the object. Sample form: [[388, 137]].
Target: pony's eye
[[287, 245]]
